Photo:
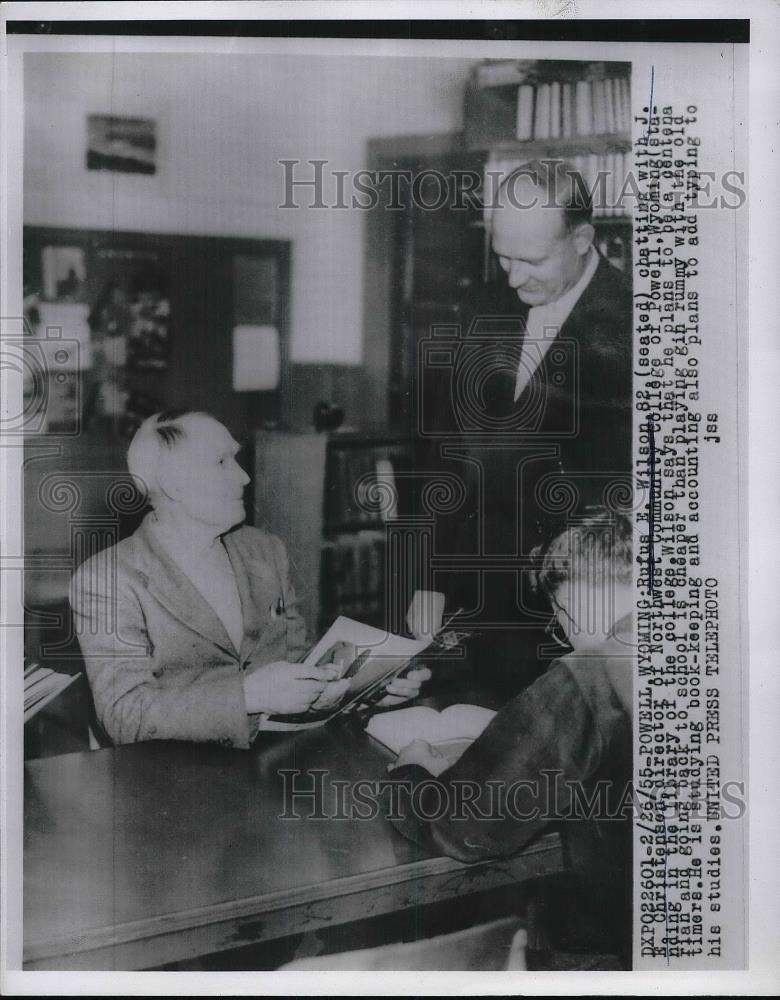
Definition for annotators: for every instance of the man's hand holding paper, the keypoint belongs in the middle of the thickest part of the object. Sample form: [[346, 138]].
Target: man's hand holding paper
[[342, 655], [283, 688], [401, 689]]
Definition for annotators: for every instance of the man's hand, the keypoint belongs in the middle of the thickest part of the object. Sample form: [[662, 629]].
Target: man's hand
[[285, 688], [402, 689], [422, 753], [333, 693]]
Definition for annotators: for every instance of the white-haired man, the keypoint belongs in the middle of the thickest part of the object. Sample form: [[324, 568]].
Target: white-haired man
[[190, 630]]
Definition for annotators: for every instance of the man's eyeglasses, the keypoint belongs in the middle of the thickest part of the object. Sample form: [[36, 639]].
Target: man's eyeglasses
[[556, 631]]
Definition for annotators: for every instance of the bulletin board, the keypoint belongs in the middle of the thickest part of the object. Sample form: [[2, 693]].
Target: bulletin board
[[149, 322]]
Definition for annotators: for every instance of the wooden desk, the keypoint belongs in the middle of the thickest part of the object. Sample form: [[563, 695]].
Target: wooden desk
[[160, 852]]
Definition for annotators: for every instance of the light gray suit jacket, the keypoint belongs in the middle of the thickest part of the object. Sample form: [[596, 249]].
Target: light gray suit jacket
[[159, 661]]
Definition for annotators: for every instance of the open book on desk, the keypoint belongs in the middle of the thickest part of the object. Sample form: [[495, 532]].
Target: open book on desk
[[450, 731], [379, 657]]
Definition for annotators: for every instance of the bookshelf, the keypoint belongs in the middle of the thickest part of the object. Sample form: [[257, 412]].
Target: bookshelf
[[522, 110], [329, 496], [551, 103]]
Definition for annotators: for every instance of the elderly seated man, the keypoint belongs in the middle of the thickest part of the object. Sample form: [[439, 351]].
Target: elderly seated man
[[190, 628]]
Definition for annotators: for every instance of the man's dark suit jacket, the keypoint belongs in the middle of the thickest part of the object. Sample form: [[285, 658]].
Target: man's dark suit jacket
[[572, 422], [528, 465]]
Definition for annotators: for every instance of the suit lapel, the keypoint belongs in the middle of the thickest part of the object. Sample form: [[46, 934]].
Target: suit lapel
[[582, 323], [577, 327], [172, 588], [259, 589], [504, 354]]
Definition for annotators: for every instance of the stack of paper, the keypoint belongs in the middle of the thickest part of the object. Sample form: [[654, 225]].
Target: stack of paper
[[40, 686]]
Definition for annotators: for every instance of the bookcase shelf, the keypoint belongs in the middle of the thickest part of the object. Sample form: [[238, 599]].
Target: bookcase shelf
[[322, 495], [562, 148], [504, 99], [429, 264], [541, 100]]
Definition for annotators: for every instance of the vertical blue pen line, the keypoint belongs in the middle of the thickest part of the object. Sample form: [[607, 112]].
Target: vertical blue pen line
[[650, 106], [651, 512]]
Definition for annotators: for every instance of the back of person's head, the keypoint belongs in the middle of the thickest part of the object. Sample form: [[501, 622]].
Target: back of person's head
[[558, 185], [157, 437], [594, 552]]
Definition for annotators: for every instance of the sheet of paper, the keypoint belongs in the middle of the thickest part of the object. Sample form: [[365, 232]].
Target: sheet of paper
[[366, 638], [456, 723]]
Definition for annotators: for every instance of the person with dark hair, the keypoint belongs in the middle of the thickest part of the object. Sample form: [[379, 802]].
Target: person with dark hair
[[536, 414], [560, 753], [190, 628]]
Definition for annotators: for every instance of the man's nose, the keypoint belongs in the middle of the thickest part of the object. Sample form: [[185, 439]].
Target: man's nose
[[517, 274], [243, 478]]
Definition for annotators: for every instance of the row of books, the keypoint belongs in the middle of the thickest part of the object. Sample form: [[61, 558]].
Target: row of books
[[361, 486], [558, 109], [353, 566], [605, 177], [41, 685]]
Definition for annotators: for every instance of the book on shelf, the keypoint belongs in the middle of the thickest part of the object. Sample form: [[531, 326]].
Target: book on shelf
[[610, 119], [362, 486], [385, 480], [583, 112], [542, 113], [353, 569], [565, 109], [41, 685], [598, 101], [624, 103], [362, 495], [555, 109], [525, 112]]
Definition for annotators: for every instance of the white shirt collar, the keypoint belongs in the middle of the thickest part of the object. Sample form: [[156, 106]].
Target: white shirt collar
[[544, 324], [188, 543], [557, 312]]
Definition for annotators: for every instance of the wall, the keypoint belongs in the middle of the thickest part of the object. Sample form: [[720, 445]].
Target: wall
[[224, 123]]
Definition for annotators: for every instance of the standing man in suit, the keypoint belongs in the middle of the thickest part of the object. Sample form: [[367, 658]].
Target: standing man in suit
[[190, 628], [535, 411]]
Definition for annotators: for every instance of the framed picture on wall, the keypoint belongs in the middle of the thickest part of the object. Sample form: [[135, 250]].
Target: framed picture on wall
[[126, 145]]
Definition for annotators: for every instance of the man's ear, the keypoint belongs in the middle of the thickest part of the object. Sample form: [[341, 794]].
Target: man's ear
[[168, 482], [583, 238]]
